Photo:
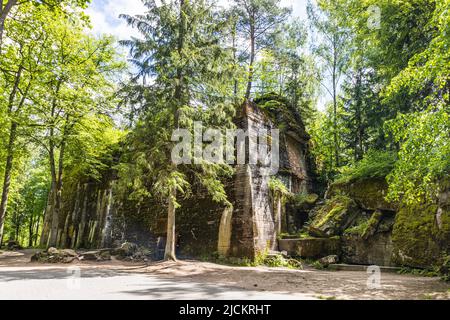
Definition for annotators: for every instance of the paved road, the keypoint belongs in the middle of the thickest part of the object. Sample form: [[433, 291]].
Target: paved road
[[62, 283]]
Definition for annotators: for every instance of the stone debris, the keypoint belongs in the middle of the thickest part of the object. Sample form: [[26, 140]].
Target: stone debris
[[326, 261], [99, 255], [126, 251], [13, 246], [53, 255], [129, 251]]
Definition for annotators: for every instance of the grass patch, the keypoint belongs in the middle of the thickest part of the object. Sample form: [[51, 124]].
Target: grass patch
[[357, 230], [275, 261], [299, 235], [261, 259], [419, 272]]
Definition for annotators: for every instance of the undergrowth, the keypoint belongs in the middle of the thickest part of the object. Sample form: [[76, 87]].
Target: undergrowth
[[376, 164]]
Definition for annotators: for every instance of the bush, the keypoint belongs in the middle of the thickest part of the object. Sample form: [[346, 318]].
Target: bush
[[444, 269], [376, 164]]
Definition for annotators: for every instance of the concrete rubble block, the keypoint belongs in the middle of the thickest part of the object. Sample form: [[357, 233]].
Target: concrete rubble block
[[311, 247]]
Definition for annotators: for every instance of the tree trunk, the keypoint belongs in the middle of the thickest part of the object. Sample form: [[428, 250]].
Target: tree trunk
[[171, 236], [10, 151], [57, 177], [36, 232], [335, 126], [7, 178], [252, 59], [30, 232], [234, 40], [3, 15]]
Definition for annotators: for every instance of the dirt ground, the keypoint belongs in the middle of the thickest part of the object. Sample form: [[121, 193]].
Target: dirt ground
[[320, 284]]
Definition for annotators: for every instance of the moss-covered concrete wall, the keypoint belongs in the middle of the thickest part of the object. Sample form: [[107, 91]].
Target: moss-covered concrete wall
[[421, 235], [414, 235], [369, 193]]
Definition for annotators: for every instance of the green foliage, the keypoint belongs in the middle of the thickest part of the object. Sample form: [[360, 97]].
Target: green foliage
[[275, 261], [444, 268], [322, 144], [278, 188], [317, 265], [376, 164], [425, 78], [299, 235], [287, 71], [28, 199], [57, 101], [58, 86], [398, 75], [419, 272], [182, 75], [424, 156], [423, 135], [284, 114]]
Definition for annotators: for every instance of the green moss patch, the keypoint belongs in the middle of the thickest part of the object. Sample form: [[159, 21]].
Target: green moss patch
[[278, 109], [418, 239], [369, 193], [336, 215]]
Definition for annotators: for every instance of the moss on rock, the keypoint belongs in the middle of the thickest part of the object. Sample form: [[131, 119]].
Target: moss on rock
[[281, 112], [419, 241], [369, 193], [372, 225], [336, 215]]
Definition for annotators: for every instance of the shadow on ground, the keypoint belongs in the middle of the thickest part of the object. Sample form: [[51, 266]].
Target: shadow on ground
[[193, 279]]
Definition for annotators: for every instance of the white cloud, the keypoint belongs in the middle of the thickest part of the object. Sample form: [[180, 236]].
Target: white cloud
[[105, 18], [105, 14]]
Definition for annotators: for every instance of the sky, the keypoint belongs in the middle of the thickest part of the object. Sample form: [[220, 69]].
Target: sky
[[105, 14], [105, 19]]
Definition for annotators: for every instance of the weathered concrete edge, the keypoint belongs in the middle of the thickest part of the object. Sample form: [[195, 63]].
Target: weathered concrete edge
[[355, 267]]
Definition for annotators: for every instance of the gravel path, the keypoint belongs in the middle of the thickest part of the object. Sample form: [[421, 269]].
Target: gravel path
[[20, 279]]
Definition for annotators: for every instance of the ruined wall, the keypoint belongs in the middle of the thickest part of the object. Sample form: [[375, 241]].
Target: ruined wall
[[389, 234], [253, 221], [94, 216], [253, 225], [421, 235], [86, 215]]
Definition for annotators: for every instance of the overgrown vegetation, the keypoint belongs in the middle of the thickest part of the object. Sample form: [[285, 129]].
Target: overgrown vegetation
[[374, 99], [375, 164]]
